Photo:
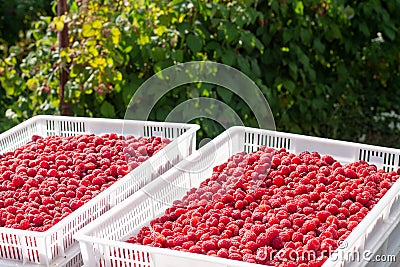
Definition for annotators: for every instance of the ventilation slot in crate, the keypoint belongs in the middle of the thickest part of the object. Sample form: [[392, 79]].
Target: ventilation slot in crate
[[385, 160], [254, 140], [64, 128]]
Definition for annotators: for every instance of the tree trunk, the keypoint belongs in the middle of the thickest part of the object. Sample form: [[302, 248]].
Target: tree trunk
[[63, 43]]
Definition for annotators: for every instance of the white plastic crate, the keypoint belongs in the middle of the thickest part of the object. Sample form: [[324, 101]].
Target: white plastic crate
[[21, 247], [101, 241]]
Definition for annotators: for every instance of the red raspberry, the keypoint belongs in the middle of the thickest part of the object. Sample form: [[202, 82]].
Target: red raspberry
[[248, 236], [323, 215], [195, 249], [309, 226], [48, 200], [7, 175], [75, 204], [277, 243], [279, 181], [351, 225], [271, 233], [223, 253], [313, 244], [328, 159], [98, 181], [350, 173], [297, 237], [235, 256], [224, 243], [258, 229], [291, 207], [178, 240], [263, 240], [18, 181], [332, 208], [354, 208], [38, 220], [9, 202], [308, 210], [24, 224], [31, 172], [208, 245], [44, 164]]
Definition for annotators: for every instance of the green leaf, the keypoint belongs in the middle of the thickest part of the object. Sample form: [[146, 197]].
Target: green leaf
[[88, 31], [319, 47], [158, 53], [305, 36], [389, 32], [293, 70], [107, 110], [229, 58], [299, 9], [178, 55], [364, 28], [289, 85], [244, 65], [116, 35], [194, 43], [286, 36], [225, 94], [255, 68], [231, 32]]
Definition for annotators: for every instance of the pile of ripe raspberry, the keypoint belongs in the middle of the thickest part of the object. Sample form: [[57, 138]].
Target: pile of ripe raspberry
[[271, 207], [48, 178]]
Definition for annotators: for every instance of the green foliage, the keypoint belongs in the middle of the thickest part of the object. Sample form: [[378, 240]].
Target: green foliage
[[16, 17], [326, 67]]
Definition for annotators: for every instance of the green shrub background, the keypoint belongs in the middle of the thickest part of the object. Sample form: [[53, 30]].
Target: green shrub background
[[327, 68]]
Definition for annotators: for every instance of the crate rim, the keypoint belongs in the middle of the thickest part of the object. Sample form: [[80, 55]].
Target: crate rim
[[325, 139], [78, 118]]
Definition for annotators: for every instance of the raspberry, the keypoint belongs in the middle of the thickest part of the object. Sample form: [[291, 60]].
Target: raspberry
[[208, 245], [277, 243], [44, 164], [354, 208], [24, 224], [48, 200], [279, 181], [76, 204], [6, 175], [38, 221], [9, 202], [328, 159], [351, 225], [271, 233], [263, 240], [310, 226], [291, 207], [332, 208], [323, 215], [17, 181], [350, 173], [98, 181], [297, 237], [198, 250], [313, 244], [224, 243], [235, 256]]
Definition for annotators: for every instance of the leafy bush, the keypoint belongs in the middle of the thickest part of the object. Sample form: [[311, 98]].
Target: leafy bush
[[16, 17], [327, 68]]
